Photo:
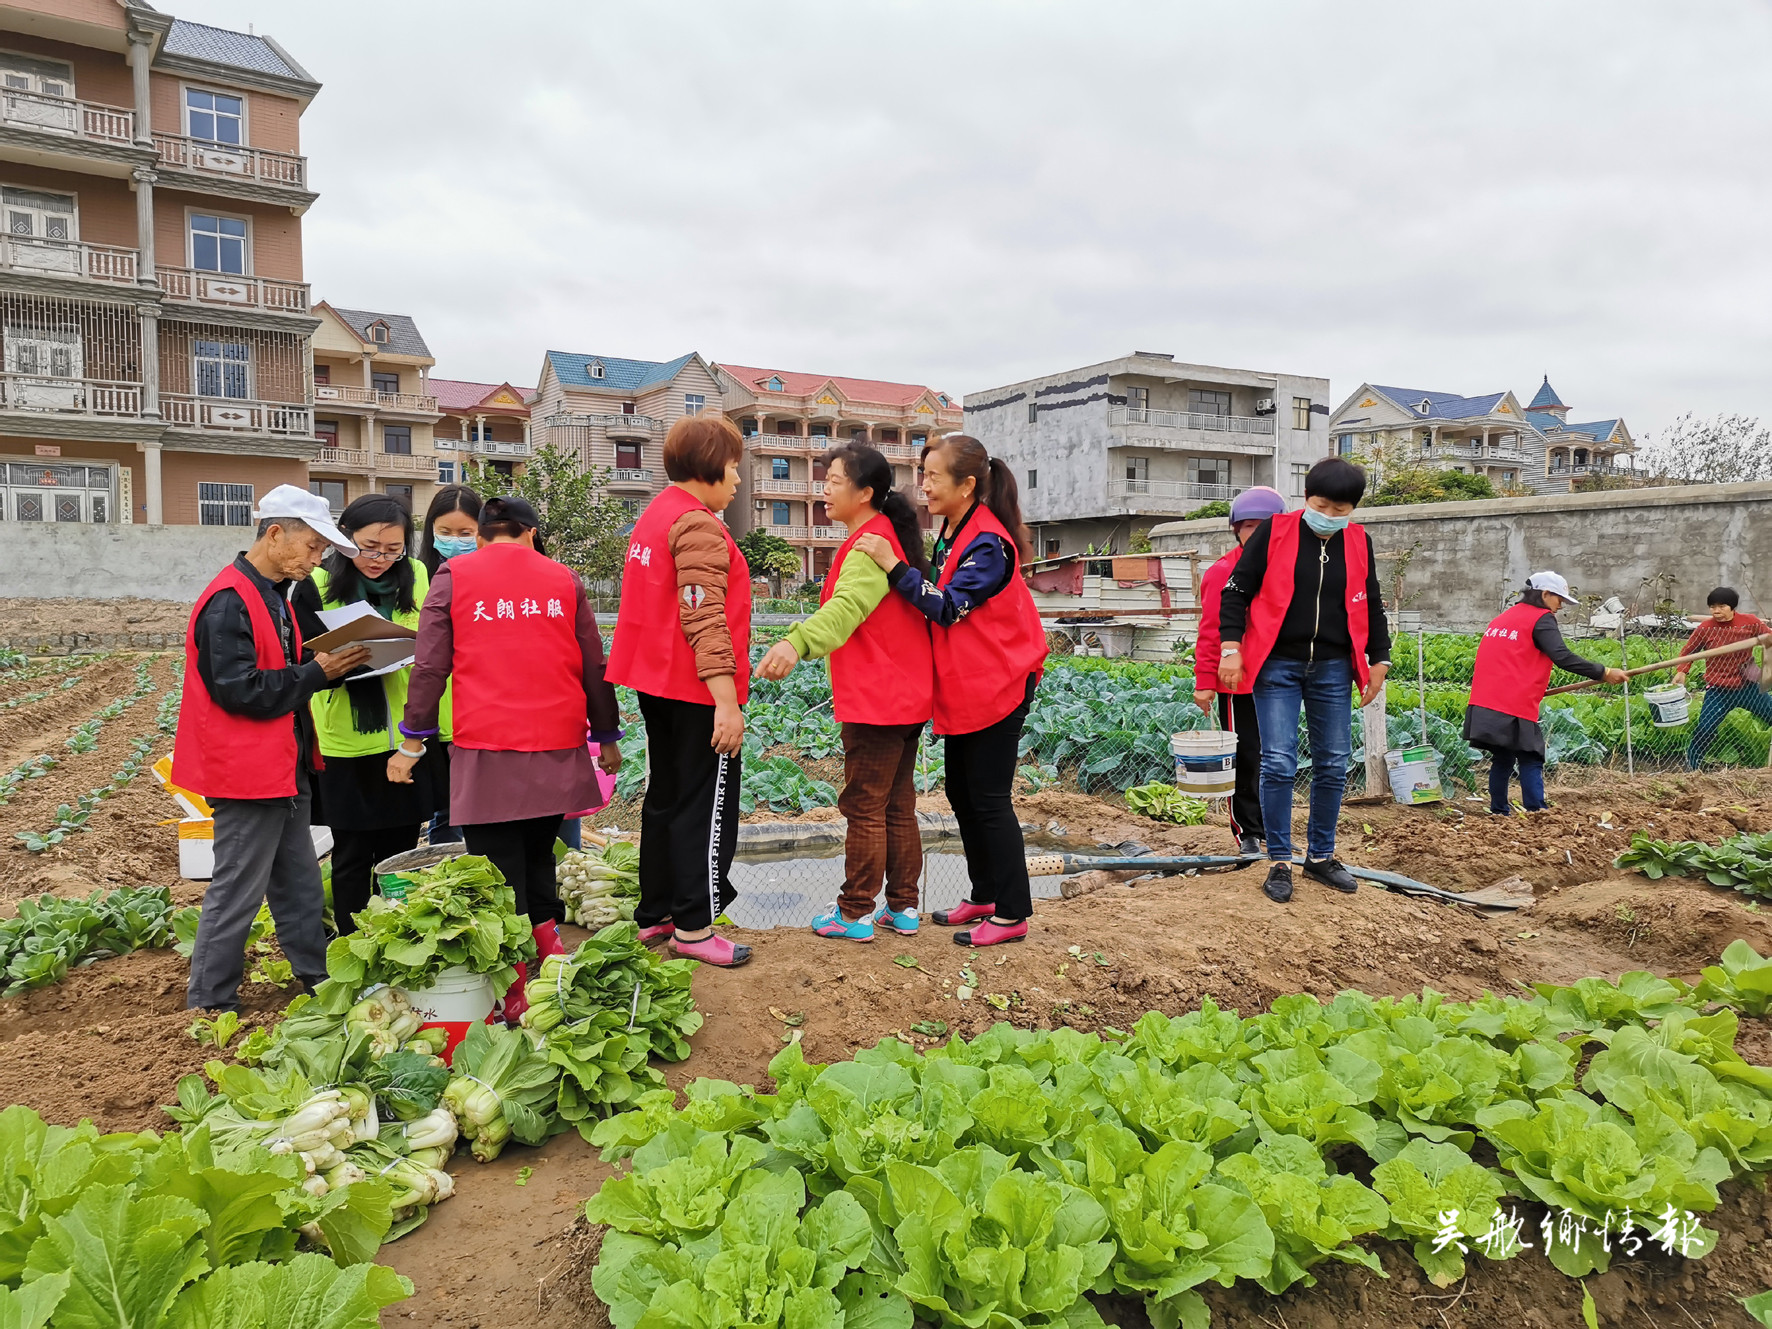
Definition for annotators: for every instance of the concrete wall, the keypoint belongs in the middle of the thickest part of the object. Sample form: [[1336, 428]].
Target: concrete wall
[[50, 561], [1469, 557]]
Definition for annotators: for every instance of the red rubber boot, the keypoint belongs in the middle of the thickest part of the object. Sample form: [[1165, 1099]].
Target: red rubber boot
[[517, 996]]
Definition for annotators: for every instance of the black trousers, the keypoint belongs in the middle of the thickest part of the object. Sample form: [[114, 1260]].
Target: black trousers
[[689, 819], [524, 852], [1237, 711], [354, 856], [980, 778]]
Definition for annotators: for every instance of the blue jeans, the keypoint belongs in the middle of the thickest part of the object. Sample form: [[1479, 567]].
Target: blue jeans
[[1718, 702], [1501, 770], [1324, 688], [570, 832]]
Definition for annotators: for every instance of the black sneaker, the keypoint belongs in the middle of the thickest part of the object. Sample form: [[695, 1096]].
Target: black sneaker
[[1249, 847], [1331, 873], [1278, 886]]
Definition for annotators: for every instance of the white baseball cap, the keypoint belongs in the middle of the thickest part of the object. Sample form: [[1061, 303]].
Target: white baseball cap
[[309, 509], [1549, 581]]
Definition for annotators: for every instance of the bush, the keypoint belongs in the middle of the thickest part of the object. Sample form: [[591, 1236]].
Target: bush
[[1421, 484], [1217, 508]]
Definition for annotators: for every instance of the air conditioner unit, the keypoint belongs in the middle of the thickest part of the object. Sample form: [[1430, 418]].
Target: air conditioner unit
[[760, 504], [1264, 405]]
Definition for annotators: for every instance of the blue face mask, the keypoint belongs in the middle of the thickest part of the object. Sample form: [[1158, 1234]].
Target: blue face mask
[[448, 546], [1322, 523]]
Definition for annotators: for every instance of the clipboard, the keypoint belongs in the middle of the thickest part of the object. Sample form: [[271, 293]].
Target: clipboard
[[391, 645]]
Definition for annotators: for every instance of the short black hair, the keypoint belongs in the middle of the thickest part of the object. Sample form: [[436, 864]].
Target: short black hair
[[1337, 480], [1724, 595]]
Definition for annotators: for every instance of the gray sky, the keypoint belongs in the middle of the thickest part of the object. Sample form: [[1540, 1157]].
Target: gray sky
[[1458, 198]]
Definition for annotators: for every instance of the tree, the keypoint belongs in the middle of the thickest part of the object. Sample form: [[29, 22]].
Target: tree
[[1217, 508], [1723, 450], [769, 556], [584, 527], [1424, 484]]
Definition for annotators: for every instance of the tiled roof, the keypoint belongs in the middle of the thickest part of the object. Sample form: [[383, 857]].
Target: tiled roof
[[199, 41], [1547, 396], [403, 334], [458, 394], [1543, 421], [853, 389], [1598, 430], [573, 371], [1442, 405]]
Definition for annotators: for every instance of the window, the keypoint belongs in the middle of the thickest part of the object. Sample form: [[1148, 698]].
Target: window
[[401, 492], [820, 431], [1208, 401], [774, 385], [1301, 412], [778, 514], [385, 383], [50, 78], [627, 456], [397, 439], [1138, 399], [1345, 445], [333, 491], [919, 440], [378, 332], [748, 428], [327, 432], [594, 369], [37, 216], [55, 492], [322, 375], [445, 472], [1209, 470], [224, 505], [778, 468], [1033, 477], [1033, 413], [627, 408], [218, 244], [1299, 471], [51, 352], [215, 117], [222, 370], [693, 402], [1052, 549], [1138, 469]]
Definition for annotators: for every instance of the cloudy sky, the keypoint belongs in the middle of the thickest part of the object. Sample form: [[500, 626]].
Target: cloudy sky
[[966, 193]]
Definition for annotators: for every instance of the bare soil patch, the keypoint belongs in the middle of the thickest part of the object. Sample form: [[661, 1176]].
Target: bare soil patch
[[21, 617]]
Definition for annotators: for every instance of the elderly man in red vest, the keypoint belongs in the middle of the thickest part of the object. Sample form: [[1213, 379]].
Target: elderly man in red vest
[[243, 744]]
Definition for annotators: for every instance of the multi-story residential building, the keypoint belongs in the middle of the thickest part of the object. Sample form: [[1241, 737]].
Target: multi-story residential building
[[374, 412], [614, 413], [790, 419], [484, 422], [1517, 448], [153, 317], [1105, 451]]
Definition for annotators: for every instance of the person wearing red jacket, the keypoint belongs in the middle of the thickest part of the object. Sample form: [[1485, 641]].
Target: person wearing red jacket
[[1730, 681], [1236, 710], [989, 650], [683, 642], [246, 744], [1515, 656]]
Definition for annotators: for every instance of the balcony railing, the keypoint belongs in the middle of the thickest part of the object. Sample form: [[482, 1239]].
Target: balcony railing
[[767, 485], [1208, 424], [838, 533], [1476, 450], [789, 532], [630, 475], [343, 459], [1592, 468], [222, 288], [486, 447], [899, 451], [777, 444], [1174, 491], [234, 415], [66, 117], [345, 395], [412, 463], [67, 258], [69, 396], [231, 161]]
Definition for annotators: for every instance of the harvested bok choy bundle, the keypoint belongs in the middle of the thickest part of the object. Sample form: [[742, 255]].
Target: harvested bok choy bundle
[[600, 886], [502, 1088], [603, 1012]]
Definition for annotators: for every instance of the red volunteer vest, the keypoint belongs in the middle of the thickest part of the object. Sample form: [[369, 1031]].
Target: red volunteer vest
[[650, 653], [222, 755], [982, 662], [1269, 609], [1511, 673], [1208, 641], [885, 672], [517, 675]]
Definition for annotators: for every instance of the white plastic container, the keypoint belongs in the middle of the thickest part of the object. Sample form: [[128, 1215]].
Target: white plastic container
[[456, 1002], [1205, 762], [1668, 706], [1414, 775]]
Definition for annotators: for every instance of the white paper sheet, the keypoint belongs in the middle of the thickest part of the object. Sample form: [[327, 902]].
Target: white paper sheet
[[385, 655]]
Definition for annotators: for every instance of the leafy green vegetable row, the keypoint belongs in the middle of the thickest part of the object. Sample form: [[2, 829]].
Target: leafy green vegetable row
[[996, 1182], [51, 934], [1743, 862]]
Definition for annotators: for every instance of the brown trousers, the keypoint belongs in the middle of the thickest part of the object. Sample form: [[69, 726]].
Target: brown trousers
[[880, 800]]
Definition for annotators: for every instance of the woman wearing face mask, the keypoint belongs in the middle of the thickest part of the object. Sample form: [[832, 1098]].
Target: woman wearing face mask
[[452, 527], [355, 718], [989, 651], [1302, 622], [882, 690]]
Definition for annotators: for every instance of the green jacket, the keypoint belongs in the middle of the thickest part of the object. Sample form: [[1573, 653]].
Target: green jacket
[[331, 707]]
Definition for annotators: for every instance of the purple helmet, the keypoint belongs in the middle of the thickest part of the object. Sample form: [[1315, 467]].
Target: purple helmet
[[1256, 504]]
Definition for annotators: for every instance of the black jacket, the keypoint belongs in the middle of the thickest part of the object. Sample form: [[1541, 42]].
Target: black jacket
[[227, 659], [1315, 626]]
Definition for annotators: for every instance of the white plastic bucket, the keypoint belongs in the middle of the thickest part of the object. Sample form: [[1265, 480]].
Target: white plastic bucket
[[1414, 775], [1205, 762], [456, 1002], [1669, 706]]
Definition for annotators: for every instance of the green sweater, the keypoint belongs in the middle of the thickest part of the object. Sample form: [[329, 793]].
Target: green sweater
[[861, 585]]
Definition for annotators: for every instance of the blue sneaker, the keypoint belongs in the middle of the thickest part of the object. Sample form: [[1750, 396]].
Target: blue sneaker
[[903, 922], [831, 923]]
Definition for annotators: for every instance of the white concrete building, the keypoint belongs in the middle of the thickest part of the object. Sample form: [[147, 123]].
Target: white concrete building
[[1109, 449]]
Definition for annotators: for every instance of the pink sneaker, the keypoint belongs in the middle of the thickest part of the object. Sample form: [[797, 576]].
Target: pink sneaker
[[547, 940], [657, 932], [988, 933], [714, 950], [964, 912]]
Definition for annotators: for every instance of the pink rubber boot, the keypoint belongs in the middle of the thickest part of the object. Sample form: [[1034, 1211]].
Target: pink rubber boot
[[547, 940], [964, 912], [657, 932], [712, 949], [988, 933], [517, 996]]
